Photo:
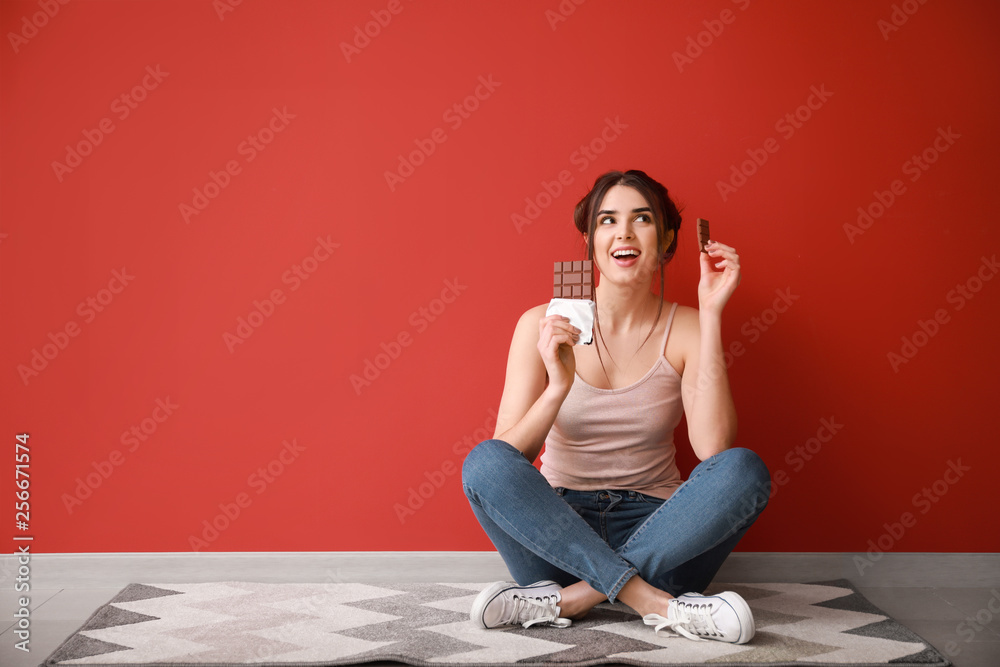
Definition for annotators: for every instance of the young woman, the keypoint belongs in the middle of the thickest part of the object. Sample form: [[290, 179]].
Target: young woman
[[608, 517]]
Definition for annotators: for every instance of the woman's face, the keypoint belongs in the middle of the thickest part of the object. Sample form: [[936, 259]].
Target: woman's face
[[625, 246]]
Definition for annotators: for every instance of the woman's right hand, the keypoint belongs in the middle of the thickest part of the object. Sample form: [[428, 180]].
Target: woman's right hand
[[556, 338]]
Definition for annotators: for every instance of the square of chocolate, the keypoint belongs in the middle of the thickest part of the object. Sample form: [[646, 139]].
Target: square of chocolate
[[702, 234], [573, 280]]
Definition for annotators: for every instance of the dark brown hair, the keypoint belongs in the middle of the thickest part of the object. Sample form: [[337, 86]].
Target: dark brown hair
[[666, 216]]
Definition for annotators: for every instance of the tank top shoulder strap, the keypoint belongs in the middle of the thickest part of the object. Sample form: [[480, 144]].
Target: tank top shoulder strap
[[666, 333]]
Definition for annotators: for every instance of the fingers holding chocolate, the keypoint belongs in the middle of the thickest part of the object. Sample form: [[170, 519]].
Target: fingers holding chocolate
[[729, 257], [556, 338], [558, 329]]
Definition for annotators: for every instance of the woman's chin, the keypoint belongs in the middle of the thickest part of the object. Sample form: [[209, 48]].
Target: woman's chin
[[633, 282]]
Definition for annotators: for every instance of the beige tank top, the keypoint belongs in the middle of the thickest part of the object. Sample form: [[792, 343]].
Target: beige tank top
[[618, 438]]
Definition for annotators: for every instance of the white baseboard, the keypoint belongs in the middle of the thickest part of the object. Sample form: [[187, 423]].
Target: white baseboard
[[110, 570]]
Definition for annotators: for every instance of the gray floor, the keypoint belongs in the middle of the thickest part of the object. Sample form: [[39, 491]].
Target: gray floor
[[945, 615]]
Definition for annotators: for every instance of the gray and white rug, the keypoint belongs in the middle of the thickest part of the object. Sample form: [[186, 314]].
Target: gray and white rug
[[244, 623]]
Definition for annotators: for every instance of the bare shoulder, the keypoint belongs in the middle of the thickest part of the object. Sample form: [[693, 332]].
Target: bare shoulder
[[525, 335], [684, 340], [531, 317], [537, 312], [685, 319]]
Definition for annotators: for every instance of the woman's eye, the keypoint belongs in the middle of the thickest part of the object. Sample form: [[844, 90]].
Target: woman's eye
[[604, 220], [643, 217]]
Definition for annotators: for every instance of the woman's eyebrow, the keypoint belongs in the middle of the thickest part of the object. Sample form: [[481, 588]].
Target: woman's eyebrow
[[635, 210]]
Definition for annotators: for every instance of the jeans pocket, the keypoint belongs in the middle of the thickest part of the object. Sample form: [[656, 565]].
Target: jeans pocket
[[649, 499]]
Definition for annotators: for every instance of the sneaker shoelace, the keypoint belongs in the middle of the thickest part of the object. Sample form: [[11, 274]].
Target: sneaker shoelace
[[527, 611], [690, 620]]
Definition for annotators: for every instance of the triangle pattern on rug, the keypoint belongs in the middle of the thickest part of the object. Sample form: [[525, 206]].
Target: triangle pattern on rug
[[111, 616], [824, 625], [134, 592], [80, 646], [248, 623]]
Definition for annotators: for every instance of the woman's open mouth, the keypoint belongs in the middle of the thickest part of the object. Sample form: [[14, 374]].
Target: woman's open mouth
[[625, 257]]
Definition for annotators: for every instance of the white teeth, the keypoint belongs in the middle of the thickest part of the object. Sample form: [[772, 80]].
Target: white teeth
[[624, 253]]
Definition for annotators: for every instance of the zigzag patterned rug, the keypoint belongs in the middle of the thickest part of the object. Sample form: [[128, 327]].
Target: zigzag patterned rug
[[241, 623]]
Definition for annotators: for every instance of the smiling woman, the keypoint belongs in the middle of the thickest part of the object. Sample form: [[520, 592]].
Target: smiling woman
[[608, 516], [637, 204]]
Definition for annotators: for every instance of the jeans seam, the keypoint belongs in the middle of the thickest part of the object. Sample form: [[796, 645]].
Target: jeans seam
[[624, 579]]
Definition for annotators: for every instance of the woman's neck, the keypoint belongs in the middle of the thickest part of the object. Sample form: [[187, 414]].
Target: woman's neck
[[622, 310]]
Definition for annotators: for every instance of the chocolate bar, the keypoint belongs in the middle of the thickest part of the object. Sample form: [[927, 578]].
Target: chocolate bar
[[573, 297], [573, 280], [702, 234]]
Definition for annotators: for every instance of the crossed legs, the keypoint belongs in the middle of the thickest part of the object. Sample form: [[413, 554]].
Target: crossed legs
[[678, 548]]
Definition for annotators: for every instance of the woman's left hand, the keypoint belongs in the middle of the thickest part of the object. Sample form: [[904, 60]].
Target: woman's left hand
[[715, 287]]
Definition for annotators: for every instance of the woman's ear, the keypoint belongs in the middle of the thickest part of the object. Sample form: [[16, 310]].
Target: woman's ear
[[668, 239]]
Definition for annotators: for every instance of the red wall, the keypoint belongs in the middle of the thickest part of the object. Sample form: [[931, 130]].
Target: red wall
[[426, 273]]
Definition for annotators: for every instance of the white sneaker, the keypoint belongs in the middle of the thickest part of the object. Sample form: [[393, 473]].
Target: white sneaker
[[724, 617], [506, 603]]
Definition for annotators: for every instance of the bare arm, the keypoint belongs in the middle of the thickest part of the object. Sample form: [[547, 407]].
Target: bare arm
[[708, 401], [540, 370]]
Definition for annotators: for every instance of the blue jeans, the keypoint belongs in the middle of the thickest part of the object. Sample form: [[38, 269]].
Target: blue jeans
[[607, 537]]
